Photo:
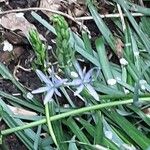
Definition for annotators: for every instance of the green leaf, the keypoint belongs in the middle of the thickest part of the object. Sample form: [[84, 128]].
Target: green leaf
[[77, 131], [138, 137], [36, 142], [101, 25], [137, 110], [87, 43], [137, 28], [103, 59], [99, 134], [72, 144]]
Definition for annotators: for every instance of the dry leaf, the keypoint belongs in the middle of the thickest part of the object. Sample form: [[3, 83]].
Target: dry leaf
[[50, 4], [119, 47], [21, 111], [147, 112], [15, 21], [14, 38]]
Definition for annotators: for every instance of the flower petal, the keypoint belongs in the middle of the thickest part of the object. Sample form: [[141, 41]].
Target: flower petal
[[43, 77], [79, 89], [92, 91], [48, 96], [88, 75], [57, 92], [79, 70], [59, 83], [75, 82], [40, 90], [84, 71]]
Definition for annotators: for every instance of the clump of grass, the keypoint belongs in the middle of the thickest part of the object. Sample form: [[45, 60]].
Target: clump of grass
[[113, 115], [64, 52], [39, 50]]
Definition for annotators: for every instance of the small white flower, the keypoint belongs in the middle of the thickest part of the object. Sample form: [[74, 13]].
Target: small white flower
[[66, 105], [123, 62], [74, 74], [111, 81], [7, 46], [29, 95], [126, 91], [136, 54], [128, 44], [143, 84], [143, 87], [49, 47]]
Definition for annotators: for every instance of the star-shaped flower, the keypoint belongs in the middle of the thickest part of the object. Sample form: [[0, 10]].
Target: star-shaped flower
[[84, 80], [52, 84]]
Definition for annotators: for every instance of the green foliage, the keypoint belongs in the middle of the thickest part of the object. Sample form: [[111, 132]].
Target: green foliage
[[113, 122], [39, 49], [64, 52]]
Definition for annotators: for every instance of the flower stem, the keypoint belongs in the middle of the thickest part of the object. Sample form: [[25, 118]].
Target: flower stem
[[50, 128], [71, 113]]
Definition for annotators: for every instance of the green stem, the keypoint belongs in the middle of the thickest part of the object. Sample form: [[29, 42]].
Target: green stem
[[50, 128], [71, 113]]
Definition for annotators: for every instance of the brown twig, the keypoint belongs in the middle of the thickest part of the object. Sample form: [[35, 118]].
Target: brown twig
[[77, 20], [43, 9], [116, 15]]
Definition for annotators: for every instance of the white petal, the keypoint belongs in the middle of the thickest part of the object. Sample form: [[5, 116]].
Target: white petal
[[48, 96], [79, 89], [92, 91], [40, 90]]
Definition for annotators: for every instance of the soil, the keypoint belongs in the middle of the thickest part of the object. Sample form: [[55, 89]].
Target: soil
[[23, 54]]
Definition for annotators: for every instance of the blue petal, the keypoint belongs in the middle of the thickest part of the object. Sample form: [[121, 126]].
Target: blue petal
[[49, 96], [57, 92], [79, 70], [59, 83], [40, 90], [88, 75], [79, 89], [84, 71], [75, 82], [92, 91], [43, 78]]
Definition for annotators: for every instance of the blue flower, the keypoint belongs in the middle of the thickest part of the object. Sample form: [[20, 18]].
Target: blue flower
[[84, 80], [52, 84]]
